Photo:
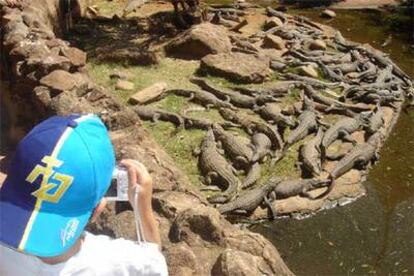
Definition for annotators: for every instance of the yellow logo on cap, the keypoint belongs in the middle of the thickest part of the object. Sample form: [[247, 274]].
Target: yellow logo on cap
[[47, 172]]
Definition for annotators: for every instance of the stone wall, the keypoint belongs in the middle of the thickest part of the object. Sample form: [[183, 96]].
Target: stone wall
[[45, 76]]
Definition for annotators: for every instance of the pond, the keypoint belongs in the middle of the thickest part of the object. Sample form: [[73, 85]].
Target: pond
[[373, 235]]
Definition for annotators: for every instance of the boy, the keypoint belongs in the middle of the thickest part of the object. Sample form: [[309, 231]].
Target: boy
[[55, 184]]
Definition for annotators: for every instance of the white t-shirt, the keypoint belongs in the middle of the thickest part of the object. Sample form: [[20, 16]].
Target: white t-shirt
[[99, 255]]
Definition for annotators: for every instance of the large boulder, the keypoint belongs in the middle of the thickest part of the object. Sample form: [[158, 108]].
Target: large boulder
[[235, 262], [236, 66], [199, 41]]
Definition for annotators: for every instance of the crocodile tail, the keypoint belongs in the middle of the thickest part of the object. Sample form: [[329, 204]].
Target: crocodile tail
[[218, 199], [331, 184]]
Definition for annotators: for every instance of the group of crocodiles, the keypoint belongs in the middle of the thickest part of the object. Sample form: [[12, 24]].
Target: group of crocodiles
[[358, 83]]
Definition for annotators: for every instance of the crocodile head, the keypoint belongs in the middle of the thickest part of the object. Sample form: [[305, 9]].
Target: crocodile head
[[217, 130], [375, 138], [227, 113], [363, 118]]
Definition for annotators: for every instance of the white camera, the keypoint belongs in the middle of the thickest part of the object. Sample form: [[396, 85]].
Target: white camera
[[118, 190]]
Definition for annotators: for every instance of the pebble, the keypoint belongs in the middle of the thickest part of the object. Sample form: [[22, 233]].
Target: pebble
[[317, 44], [308, 71], [124, 85], [273, 22], [328, 14]]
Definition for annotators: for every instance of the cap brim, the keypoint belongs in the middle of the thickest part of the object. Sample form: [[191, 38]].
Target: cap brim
[[37, 232]]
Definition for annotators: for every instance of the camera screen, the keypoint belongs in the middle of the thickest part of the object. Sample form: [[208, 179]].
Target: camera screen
[[112, 191]]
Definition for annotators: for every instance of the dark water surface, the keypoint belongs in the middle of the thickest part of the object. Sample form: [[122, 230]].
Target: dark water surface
[[375, 234]]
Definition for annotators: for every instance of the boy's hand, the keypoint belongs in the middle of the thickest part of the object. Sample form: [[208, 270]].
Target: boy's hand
[[138, 175]]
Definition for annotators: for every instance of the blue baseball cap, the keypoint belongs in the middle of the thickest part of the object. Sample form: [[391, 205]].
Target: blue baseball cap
[[58, 175]]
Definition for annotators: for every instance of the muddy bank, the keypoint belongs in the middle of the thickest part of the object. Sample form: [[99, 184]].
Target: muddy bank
[[47, 77]]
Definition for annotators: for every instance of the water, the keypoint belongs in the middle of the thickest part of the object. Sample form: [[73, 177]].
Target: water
[[375, 234]]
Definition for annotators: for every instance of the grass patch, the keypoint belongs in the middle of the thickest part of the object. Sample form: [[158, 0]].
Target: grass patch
[[180, 146], [174, 72]]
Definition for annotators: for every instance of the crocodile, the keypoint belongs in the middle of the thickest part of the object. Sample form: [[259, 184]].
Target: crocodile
[[204, 98], [308, 122], [359, 156], [369, 73], [273, 114], [238, 151], [345, 68], [384, 96], [310, 154], [312, 81], [385, 61], [326, 59], [261, 144], [329, 73], [384, 75], [376, 121], [252, 176], [215, 167], [190, 122], [151, 113], [249, 200], [310, 92], [251, 125], [278, 89], [234, 97], [294, 187], [342, 129]]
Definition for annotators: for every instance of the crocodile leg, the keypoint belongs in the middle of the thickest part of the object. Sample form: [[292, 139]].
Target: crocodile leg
[[334, 156], [269, 205], [156, 118], [208, 178], [347, 137]]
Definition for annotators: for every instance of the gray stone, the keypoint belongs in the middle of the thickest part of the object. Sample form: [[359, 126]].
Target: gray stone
[[237, 67], [199, 41]]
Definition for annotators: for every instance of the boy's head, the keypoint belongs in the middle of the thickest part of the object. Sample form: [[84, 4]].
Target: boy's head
[[59, 173]]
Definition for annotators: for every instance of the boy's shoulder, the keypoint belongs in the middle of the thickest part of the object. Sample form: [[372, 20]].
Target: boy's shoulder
[[99, 254]]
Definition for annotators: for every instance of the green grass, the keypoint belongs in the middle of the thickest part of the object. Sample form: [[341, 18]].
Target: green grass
[[174, 72], [180, 146]]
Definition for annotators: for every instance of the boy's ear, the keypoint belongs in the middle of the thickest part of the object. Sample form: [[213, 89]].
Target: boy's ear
[[98, 210]]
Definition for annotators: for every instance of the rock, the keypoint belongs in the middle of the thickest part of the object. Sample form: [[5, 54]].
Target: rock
[[26, 49], [237, 67], [328, 14], [149, 94], [67, 103], [60, 81], [181, 259], [308, 71], [124, 85], [199, 41], [272, 22], [234, 262], [273, 41], [77, 57], [317, 44], [118, 74]]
